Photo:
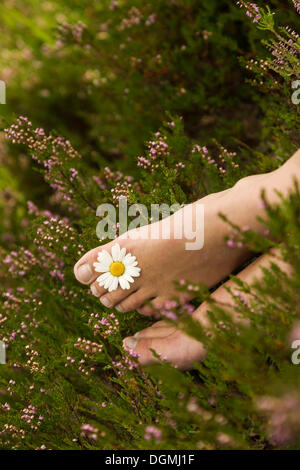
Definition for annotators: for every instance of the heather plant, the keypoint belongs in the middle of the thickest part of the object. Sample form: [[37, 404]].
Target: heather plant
[[105, 75], [156, 135]]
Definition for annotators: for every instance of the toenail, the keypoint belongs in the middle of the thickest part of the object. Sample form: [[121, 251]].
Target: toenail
[[130, 343], [105, 301], [95, 291], [84, 273], [119, 308], [137, 334]]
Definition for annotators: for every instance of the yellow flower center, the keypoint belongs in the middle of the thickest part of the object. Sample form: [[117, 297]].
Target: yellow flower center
[[117, 268]]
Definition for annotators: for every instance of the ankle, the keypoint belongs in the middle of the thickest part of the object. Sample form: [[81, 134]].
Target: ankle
[[242, 204]]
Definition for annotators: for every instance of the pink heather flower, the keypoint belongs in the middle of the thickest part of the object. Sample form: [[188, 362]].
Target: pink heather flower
[[32, 208], [169, 304], [89, 431], [150, 20], [74, 174], [170, 315], [189, 308], [113, 5], [297, 5], [252, 10], [180, 165], [152, 432], [196, 149], [86, 427]]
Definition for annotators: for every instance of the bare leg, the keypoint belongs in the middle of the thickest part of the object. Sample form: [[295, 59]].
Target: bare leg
[[177, 347], [164, 261]]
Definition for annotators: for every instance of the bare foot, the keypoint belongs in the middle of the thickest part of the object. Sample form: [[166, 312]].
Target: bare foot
[[163, 261], [176, 347]]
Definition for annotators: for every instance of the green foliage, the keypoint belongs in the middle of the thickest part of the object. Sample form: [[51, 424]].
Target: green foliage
[[117, 81]]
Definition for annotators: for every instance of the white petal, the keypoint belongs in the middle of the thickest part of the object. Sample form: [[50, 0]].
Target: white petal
[[122, 254], [108, 282], [128, 277], [104, 258], [101, 279], [101, 267], [115, 251], [114, 284], [124, 283], [129, 258], [133, 271], [130, 261]]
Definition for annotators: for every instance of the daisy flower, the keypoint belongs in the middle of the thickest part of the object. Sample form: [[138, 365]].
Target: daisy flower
[[118, 268]]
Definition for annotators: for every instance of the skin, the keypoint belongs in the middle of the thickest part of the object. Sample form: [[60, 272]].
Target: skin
[[182, 350], [171, 262], [209, 265]]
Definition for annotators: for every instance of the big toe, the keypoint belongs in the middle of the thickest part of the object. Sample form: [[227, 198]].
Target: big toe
[[84, 268], [172, 346]]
